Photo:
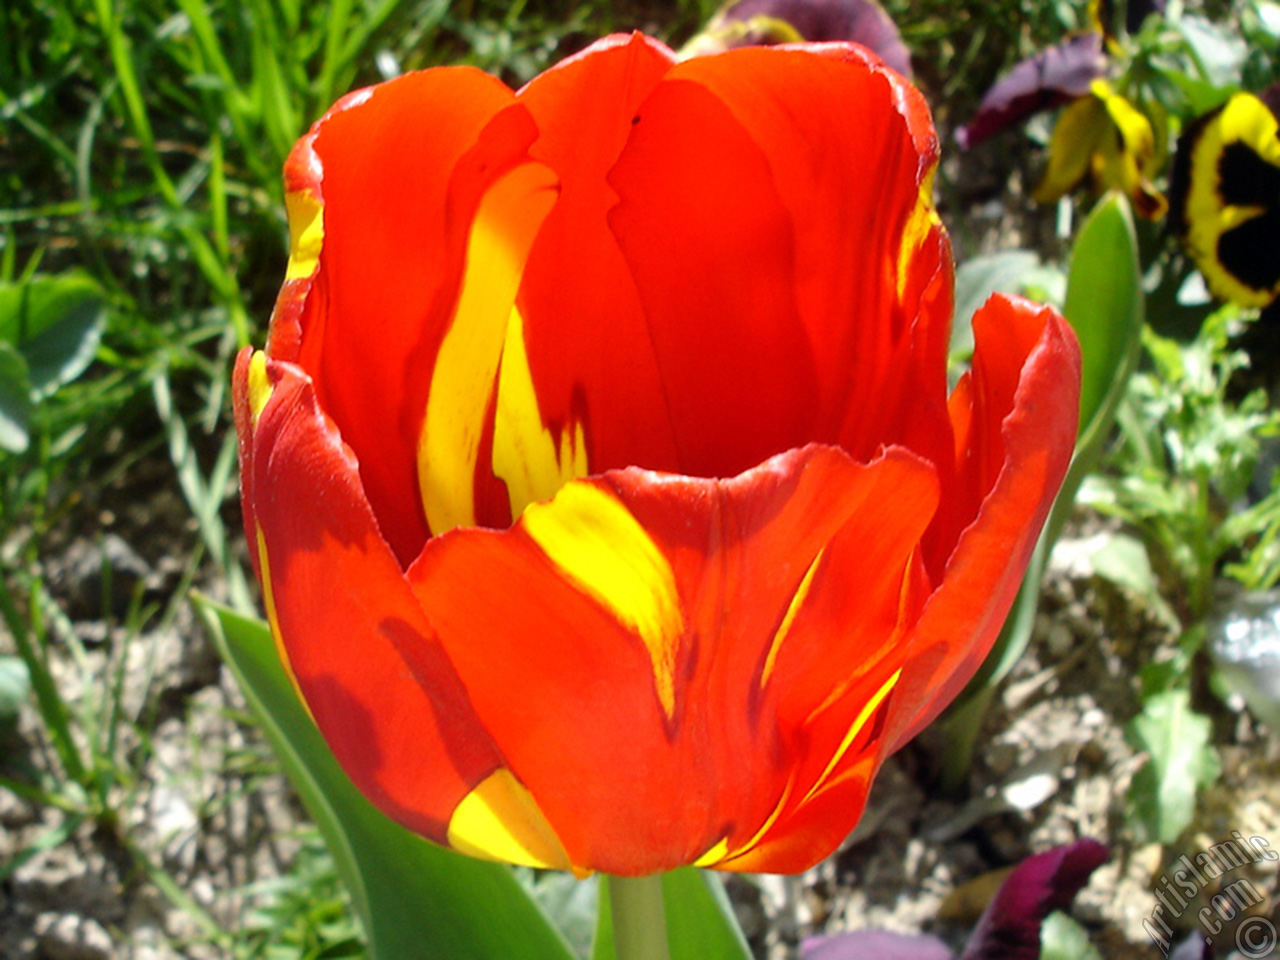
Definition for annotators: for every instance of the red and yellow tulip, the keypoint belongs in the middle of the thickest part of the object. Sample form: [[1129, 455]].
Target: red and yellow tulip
[[599, 472]]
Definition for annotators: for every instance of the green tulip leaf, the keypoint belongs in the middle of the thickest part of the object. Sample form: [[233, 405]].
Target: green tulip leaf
[[55, 322], [1104, 305], [700, 920], [417, 901], [15, 400]]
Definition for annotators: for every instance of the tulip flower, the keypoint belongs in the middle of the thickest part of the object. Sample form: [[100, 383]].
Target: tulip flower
[[599, 472]]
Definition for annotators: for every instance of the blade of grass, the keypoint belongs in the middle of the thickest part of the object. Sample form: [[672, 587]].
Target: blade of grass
[[53, 710]]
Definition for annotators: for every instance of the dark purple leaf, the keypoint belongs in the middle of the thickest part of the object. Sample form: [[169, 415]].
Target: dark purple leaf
[[821, 21], [1271, 97], [875, 945], [1010, 927], [1052, 77]]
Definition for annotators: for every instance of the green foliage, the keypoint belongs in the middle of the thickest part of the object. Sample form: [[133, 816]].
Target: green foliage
[[1123, 560], [960, 48], [306, 915], [1187, 454], [49, 332], [1104, 304], [1178, 742], [1063, 938]]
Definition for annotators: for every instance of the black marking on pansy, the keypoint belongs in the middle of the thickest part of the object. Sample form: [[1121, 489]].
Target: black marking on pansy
[[1245, 179], [1251, 251]]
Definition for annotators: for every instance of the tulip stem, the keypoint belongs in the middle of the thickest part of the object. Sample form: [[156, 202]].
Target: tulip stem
[[639, 918]]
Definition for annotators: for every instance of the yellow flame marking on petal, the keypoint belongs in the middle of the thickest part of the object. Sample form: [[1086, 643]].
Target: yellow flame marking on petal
[[868, 709], [525, 454], [797, 601], [924, 218], [603, 550], [500, 820], [269, 602], [714, 855], [259, 385], [467, 365], [906, 594], [306, 233], [759, 834]]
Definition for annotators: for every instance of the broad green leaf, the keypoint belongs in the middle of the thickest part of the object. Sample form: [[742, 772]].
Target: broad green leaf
[[700, 920], [55, 322], [1123, 560], [417, 901], [1179, 743], [1104, 305], [15, 400]]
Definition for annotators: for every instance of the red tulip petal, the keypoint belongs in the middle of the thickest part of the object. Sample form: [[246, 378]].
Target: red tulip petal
[[383, 191], [906, 98], [246, 415], [698, 205], [633, 625], [1019, 417], [848, 647], [1015, 424], [634, 262], [341, 610], [587, 345], [729, 158]]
